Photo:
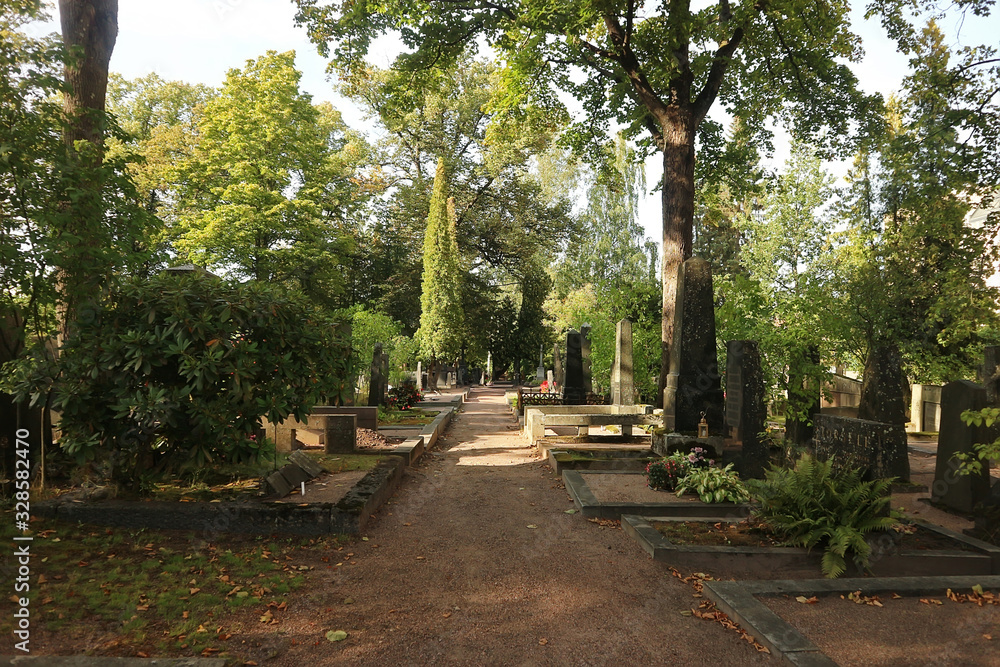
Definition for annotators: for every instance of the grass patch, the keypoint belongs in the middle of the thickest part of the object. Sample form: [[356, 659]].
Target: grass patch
[[154, 592], [411, 417]]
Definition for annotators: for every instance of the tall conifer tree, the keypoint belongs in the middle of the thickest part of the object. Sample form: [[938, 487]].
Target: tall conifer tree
[[440, 298]]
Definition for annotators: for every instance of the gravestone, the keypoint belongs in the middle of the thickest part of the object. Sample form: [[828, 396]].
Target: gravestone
[[876, 448], [884, 386], [304, 461], [376, 387], [745, 407], [420, 376], [989, 375], [550, 378], [574, 392], [588, 382], [693, 385], [804, 400], [540, 371], [622, 380], [959, 492], [559, 372], [341, 434]]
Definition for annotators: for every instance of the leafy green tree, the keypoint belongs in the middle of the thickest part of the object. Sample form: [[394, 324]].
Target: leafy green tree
[[271, 182], [441, 317], [913, 271], [654, 70], [507, 225], [781, 296]]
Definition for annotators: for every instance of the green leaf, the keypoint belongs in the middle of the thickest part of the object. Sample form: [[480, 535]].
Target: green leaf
[[336, 636]]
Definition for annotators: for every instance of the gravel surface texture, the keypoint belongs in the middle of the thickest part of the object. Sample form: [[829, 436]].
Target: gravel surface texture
[[905, 632], [476, 562]]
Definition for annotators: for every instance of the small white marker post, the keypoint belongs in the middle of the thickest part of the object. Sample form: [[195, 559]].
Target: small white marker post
[[303, 488]]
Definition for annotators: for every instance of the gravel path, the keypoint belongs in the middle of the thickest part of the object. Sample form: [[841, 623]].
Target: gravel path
[[475, 562]]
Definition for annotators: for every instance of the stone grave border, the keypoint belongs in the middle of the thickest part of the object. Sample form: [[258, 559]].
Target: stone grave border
[[591, 507], [738, 600], [349, 516], [412, 448], [985, 560], [106, 661], [562, 458]]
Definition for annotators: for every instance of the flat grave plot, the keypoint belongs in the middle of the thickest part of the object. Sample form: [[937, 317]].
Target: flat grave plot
[[327, 488], [630, 487], [610, 495], [921, 630]]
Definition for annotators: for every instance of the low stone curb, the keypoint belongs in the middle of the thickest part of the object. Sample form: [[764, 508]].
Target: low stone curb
[[349, 516], [89, 661], [410, 449], [738, 600], [590, 506], [770, 559]]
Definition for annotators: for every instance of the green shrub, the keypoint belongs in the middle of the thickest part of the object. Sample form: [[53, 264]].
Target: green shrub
[[177, 371], [666, 473], [714, 485], [811, 505]]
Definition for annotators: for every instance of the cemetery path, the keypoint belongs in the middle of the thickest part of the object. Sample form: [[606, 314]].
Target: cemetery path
[[475, 561]]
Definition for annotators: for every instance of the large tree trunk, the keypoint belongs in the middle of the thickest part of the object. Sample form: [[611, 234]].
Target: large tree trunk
[[678, 221], [90, 29]]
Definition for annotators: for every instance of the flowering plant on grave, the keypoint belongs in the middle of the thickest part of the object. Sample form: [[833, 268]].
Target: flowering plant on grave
[[406, 396], [697, 458], [664, 475]]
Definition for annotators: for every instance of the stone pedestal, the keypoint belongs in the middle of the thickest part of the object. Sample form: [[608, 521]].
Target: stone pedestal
[[340, 434], [665, 444], [875, 447], [622, 380]]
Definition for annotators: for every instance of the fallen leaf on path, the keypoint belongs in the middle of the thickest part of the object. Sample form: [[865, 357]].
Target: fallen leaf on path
[[532, 526], [804, 600], [985, 636], [336, 635], [348, 600], [897, 596], [570, 512], [447, 614], [421, 558], [543, 641]]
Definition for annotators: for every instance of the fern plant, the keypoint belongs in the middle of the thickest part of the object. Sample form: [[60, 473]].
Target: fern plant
[[714, 485], [811, 505]]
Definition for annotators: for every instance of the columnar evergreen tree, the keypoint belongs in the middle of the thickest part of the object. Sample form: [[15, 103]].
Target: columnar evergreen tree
[[441, 319]]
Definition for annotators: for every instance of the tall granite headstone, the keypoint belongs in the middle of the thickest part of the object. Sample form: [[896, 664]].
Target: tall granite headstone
[[588, 382], [622, 380], [557, 364], [694, 383], [884, 386], [803, 396], [550, 381], [960, 492], [574, 392], [376, 387], [990, 375], [745, 406], [540, 371]]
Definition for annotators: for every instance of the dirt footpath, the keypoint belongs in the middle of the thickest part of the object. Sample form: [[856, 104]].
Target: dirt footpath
[[475, 561]]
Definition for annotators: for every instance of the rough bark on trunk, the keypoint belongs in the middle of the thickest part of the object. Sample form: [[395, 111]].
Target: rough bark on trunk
[[678, 221], [89, 29]]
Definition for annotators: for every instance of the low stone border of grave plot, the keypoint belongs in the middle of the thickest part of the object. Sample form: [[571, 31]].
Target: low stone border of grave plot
[[985, 560], [89, 661], [349, 516], [620, 460], [410, 449], [738, 599], [590, 506]]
